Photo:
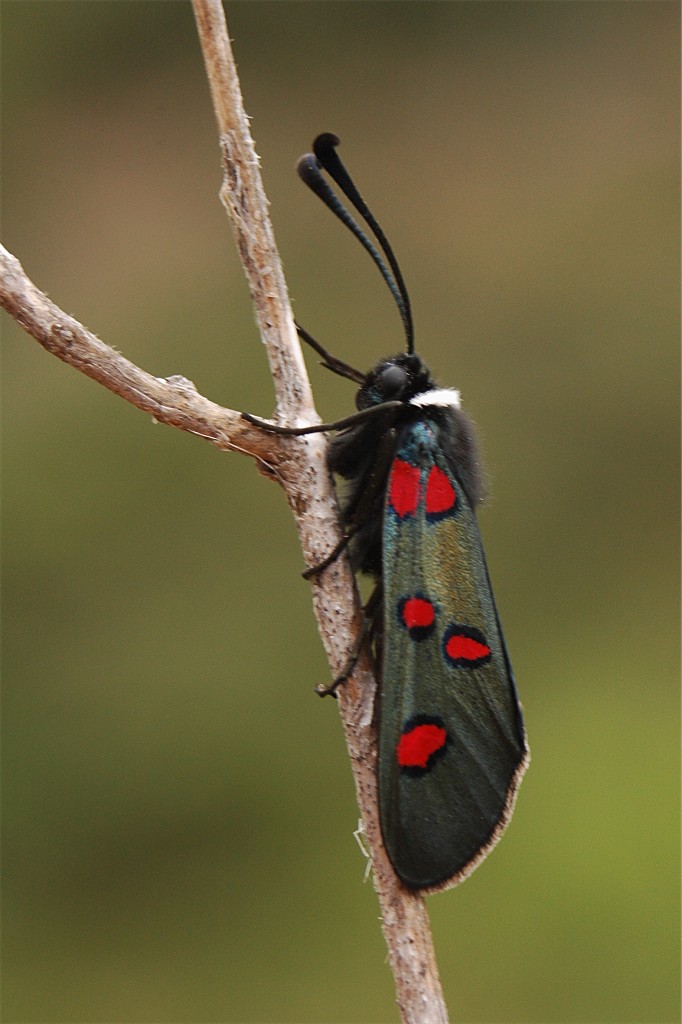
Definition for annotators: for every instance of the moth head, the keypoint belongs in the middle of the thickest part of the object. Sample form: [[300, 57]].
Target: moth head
[[397, 379]]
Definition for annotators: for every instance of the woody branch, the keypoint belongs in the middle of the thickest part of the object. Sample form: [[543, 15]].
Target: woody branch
[[297, 463]]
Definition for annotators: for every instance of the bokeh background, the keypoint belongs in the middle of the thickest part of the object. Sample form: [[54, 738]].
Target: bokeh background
[[178, 809]]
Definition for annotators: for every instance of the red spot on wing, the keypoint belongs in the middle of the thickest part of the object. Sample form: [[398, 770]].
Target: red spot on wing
[[460, 647], [440, 494], [404, 488], [417, 747], [418, 612]]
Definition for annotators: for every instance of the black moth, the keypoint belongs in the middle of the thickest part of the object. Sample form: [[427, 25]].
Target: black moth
[[452, 745]]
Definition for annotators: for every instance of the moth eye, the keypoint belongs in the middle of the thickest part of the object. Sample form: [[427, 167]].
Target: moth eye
[[392, 379]]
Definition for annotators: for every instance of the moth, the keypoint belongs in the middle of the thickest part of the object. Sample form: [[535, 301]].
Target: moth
[[451, 739]]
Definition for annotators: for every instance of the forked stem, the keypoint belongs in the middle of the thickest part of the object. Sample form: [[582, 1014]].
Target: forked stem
[[297, 463]]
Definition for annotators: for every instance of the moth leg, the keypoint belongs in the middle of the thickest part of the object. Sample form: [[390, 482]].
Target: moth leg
[[329, 689], [365, 500], [367, 631], [274, 428], [322, 428], [357, 512], [315, 570], [329, 361]]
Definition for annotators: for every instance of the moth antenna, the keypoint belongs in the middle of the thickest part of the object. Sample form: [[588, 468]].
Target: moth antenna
[[309, 172], [308, 169], [324, 148]]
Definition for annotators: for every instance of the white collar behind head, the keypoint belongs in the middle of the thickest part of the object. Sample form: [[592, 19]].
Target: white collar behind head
[[437, 396]]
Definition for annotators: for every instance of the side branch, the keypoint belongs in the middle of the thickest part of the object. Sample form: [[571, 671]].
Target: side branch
[[173, 400], [299, 464]]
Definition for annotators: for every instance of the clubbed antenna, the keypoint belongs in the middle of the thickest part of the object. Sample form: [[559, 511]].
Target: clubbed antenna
[[324, 155]]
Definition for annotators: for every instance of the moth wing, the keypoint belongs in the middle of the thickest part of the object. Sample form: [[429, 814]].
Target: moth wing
[[452, 746]]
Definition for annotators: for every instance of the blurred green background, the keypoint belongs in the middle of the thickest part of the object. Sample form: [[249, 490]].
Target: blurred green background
[[178, 808]]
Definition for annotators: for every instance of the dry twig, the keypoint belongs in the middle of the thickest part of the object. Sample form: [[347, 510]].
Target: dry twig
[[298, 464]]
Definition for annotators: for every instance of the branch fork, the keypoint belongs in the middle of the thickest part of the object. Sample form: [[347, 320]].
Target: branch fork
[[298, 464]]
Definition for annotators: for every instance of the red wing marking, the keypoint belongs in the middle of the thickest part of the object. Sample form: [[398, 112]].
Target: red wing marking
[[440, 494], [417, 746], [404, 488], [418, 612]]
